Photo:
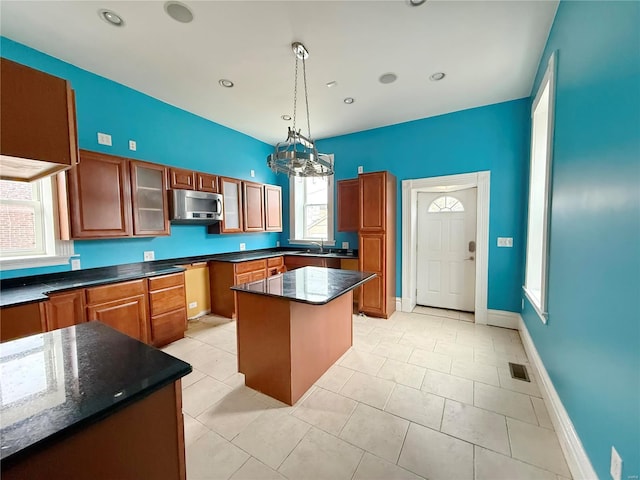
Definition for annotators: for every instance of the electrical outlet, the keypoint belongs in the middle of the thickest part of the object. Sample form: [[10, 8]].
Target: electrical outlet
[[150, 255], [243, 246], [75, 264], [505, 241], [193, 304], [253, 173], [616, 464], [133, 145], [277, 243], [104, 139], [345, 245], [522, 304], [360, 169]]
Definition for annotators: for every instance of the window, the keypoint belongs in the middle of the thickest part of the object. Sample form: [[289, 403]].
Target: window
[[535, 286], [312, 209], [446, 204], [28, 225]]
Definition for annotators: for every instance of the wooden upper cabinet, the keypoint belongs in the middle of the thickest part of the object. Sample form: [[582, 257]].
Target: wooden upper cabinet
[[348, 199], [231, 190], [253, 206], [182, 179], [273, 208], [100, 196], [206, 182], [37, 123], [65, 309], [372, 192], [149, 199]]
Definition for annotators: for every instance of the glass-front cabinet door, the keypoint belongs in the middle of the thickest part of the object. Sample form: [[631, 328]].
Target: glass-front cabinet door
[[231, 205], [149, 199]]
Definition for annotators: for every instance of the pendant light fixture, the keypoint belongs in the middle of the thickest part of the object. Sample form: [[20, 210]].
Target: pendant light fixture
[[298, 155]]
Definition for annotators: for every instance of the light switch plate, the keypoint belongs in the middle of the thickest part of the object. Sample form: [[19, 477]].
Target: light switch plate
[[616, 465], [277, 243], [360, 169], [345, 245], [505, 241], [149, 255], [243, 246], [104, 139], [253, 173], [133, 145], [75, 264]]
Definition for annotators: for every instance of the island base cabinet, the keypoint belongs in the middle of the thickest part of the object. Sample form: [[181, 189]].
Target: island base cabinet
[[22, 321], [143, 440], [284, 347]]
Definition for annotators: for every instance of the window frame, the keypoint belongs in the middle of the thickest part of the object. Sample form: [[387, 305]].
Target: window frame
[[57, 251], [540, 303], [330, 241]]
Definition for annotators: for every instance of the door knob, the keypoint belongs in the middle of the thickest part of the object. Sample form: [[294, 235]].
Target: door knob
[[470, 258]]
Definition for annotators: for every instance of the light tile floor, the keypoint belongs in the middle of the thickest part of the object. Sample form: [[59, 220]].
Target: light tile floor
[[421, 395]]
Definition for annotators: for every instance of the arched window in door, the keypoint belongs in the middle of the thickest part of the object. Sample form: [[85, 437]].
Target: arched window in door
[[445, 204]]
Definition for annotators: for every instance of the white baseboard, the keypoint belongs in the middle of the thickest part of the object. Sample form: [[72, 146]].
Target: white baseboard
[[398, 304], [199, 314], [577, 459], [502, 318]]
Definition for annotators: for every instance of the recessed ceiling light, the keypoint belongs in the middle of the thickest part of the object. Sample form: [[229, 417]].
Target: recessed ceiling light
[[349, 100], [286, 118], [112, 18], [225, 83], [416, 3], [178, 11], [388, 78], [332, 84], [437, 76]]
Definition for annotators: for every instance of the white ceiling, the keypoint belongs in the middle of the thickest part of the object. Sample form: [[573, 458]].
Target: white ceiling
[[489, 51]]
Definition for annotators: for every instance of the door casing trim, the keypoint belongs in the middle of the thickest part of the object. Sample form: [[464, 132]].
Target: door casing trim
[[449, 183]]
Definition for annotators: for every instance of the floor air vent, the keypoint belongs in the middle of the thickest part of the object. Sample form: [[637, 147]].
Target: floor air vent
[[519, 372]]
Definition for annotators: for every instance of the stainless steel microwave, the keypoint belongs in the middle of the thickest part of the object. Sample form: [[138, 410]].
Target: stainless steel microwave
[[189, 206]]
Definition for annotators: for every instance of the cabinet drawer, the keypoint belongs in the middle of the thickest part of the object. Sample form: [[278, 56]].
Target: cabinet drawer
[[251, 266], [166, 281], [275, 261], [163, 301], [242, 278], [116, 291], [168, 327], [271, 271], [259, 275]]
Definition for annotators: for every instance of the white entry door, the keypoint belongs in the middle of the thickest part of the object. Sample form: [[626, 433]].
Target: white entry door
[[446, 249]]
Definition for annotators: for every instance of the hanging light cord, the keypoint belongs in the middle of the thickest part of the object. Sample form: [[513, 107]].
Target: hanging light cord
[[295, 95], [306, 96]]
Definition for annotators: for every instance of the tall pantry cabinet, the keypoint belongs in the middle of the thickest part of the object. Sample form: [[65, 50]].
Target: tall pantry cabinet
[[377, 238]]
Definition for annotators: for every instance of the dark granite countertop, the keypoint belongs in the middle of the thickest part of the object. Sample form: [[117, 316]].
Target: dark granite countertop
[[56, 382], [314, 285], [18, 291]]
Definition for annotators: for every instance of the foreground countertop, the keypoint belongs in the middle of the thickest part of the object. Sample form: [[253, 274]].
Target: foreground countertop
[[314, 285], [56, 382], [19, 291]]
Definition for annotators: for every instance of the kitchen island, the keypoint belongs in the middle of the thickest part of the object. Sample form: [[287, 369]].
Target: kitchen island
[[90, 402], [292, 327]]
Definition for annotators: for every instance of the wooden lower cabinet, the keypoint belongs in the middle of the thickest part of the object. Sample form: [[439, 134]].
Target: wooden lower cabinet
[[167, 308], [295, 261], [224, 275], [65, 309], [122, 306], [21, 321]]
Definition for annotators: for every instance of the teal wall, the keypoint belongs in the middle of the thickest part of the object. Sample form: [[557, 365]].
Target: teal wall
[[164, 134], [591, 344], [494, 138]]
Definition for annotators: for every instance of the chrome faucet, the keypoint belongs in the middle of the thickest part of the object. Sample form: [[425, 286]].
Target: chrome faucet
[[319, 245]]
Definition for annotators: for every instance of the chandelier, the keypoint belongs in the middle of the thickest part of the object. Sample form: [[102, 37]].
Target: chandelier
[[298, 155]]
